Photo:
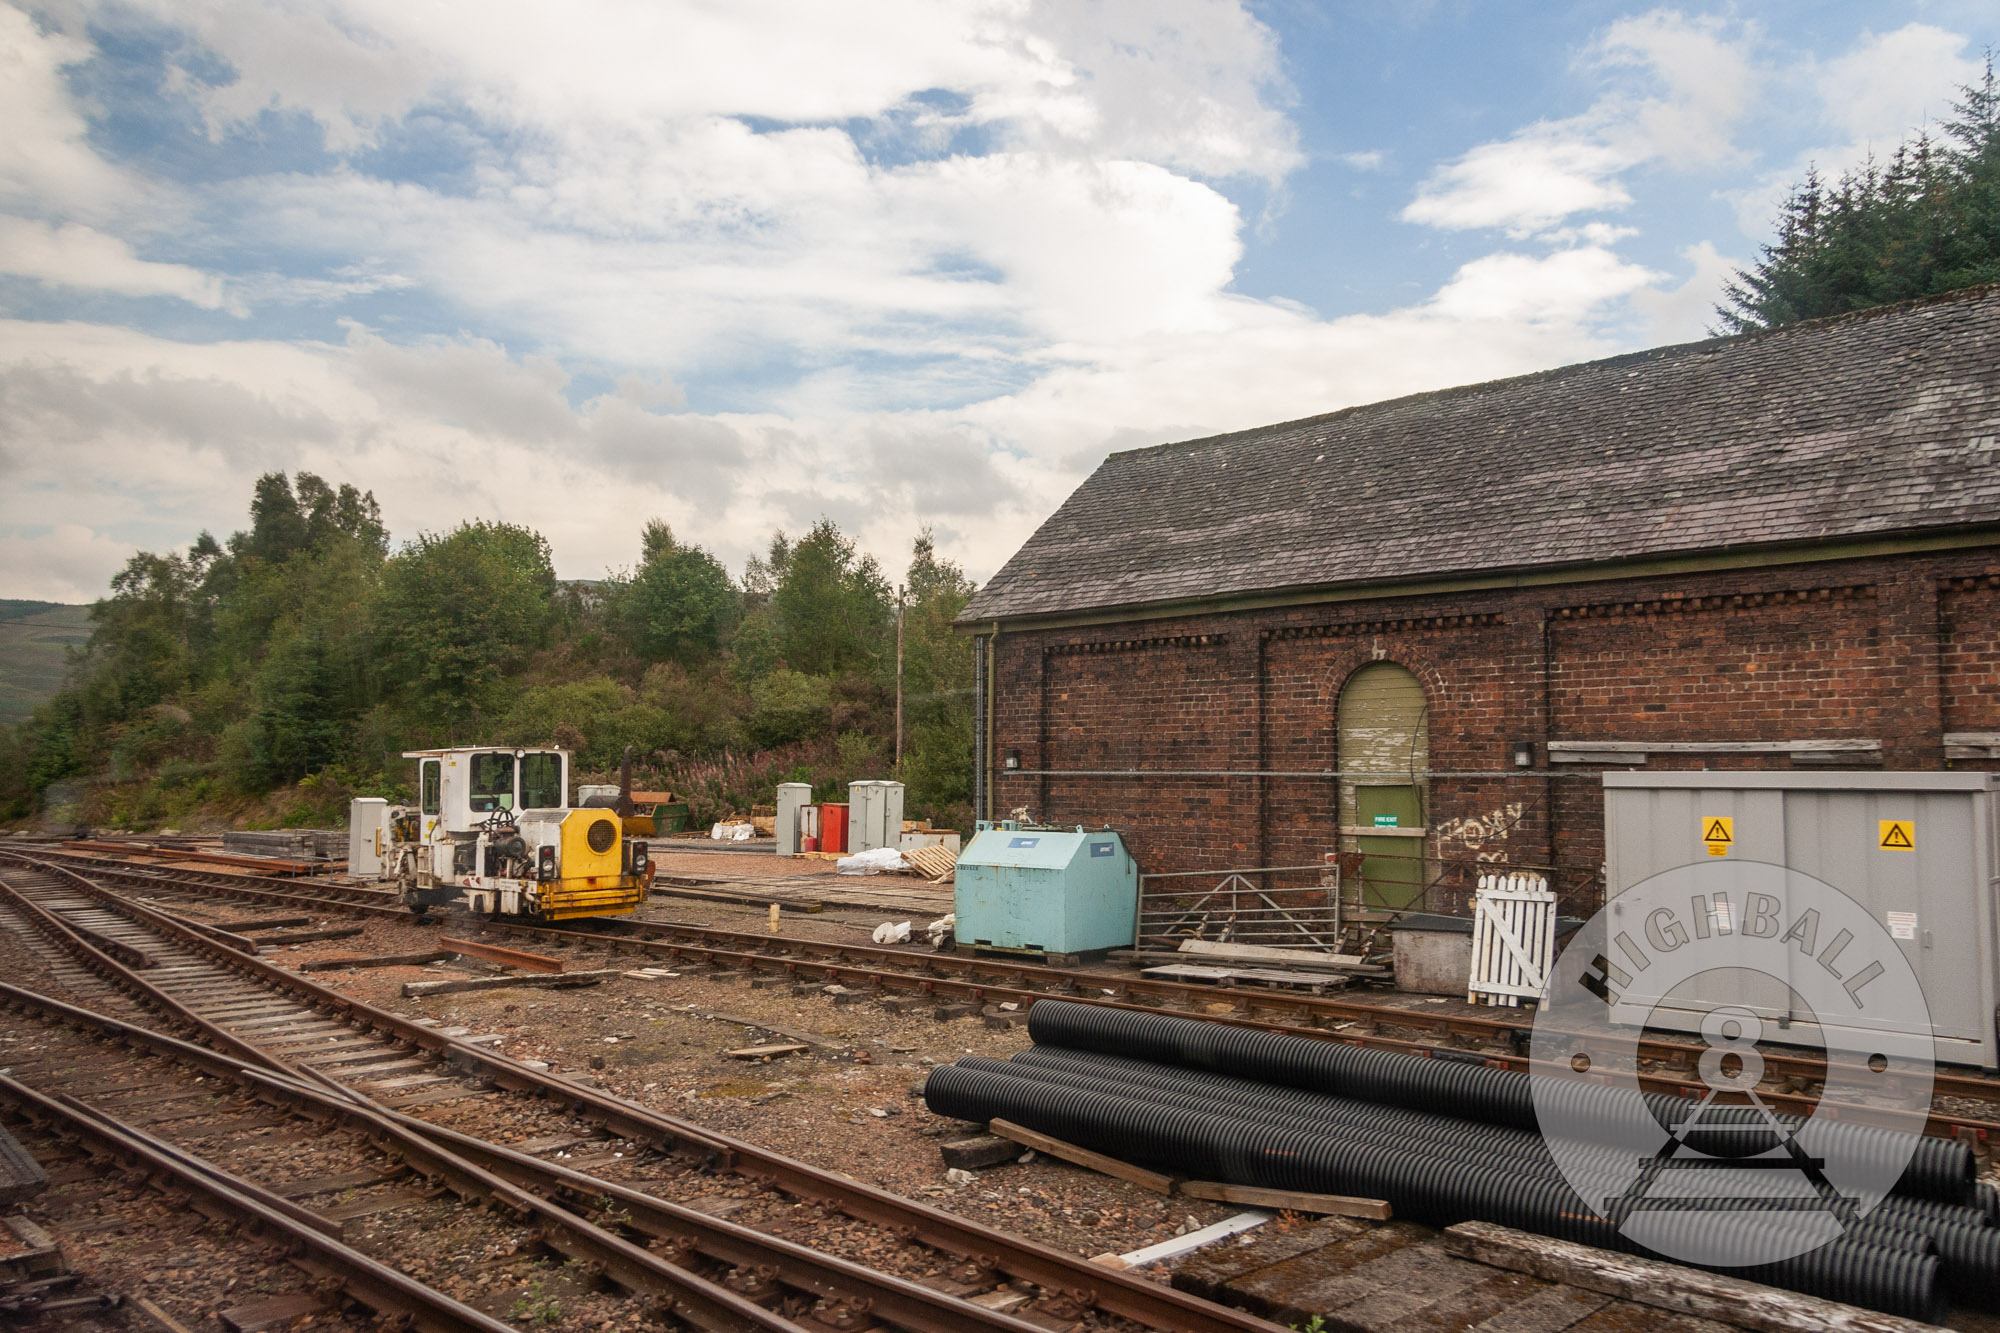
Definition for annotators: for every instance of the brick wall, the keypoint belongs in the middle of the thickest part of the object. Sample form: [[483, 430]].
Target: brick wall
[[1235, 714], [1969, 612]]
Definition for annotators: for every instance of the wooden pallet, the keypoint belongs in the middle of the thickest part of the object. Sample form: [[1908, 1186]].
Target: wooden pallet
[[935, 863]]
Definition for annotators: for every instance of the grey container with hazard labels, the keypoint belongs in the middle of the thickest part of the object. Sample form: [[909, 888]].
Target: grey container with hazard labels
[[1918, 850], [1045, 890]]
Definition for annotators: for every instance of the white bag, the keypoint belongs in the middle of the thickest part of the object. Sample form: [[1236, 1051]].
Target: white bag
[[871, 862]]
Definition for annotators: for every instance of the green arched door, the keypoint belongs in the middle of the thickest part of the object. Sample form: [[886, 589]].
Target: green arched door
[[1384, 755]]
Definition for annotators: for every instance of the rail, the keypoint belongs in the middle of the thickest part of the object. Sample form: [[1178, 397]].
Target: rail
[[374, 1284], [1054, 1270], [1353, 1020]]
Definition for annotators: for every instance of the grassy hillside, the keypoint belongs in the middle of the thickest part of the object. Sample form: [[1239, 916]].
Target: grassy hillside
[[33, 637]]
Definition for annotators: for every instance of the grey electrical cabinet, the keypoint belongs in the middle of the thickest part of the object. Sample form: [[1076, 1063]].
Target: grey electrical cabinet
[[1918, 850]]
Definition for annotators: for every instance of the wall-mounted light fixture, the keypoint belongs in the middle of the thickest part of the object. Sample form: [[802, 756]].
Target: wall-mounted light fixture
[[1012, 761], [1524, 754]]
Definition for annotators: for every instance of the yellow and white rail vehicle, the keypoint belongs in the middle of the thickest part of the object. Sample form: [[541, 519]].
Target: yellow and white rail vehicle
[[494, 832]]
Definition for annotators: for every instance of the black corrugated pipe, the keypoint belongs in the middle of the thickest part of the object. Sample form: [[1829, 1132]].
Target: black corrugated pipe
[[1439, 1191], [1936, 1168], [1969, 1252], [1486, 1141]]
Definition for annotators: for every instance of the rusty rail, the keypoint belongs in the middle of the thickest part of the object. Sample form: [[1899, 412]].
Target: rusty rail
[[493, 953], [374, 1284], [1055, 1270], [1345, 1019]]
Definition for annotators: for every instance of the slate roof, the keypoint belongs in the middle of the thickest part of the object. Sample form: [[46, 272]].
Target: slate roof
[[1883, 421]]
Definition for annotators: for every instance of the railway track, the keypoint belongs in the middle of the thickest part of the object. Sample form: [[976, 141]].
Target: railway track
[[309, 1042], [1667, 1065], [278, 1139]]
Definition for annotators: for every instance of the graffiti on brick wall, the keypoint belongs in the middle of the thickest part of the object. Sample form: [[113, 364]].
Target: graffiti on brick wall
[[1471, 833]]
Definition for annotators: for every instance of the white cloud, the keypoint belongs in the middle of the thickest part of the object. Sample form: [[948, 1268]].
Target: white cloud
[[138, 431], [1524, 184], [1892, 83], [1531, 180], [46, 162], [1867, 102], [1687, 312], [1183, 83], [1024, 224], [68, 562], [1180, 82], [1706, 78], [73, 255]]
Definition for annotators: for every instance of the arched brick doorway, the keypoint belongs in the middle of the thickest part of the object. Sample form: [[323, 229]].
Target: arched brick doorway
[[1384, 757]]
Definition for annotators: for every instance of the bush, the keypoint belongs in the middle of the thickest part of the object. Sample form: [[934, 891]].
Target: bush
[[786, 707], [733, 783], [705, 712]]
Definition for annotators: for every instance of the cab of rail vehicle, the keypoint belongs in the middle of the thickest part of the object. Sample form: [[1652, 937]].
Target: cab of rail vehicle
[[493, 830]]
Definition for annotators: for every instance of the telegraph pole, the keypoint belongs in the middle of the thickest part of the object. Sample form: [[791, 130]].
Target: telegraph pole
[[899, 681]]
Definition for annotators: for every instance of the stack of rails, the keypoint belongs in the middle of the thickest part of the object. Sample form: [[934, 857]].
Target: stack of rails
[[1443, 1142]]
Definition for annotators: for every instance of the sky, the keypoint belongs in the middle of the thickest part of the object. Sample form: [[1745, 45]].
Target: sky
[[897, 263]]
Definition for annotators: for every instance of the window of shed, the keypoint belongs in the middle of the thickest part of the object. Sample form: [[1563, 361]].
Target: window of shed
[[541, 782], [492, 782]]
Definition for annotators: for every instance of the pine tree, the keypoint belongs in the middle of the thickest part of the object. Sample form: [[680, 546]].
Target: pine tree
[[1926, 222]]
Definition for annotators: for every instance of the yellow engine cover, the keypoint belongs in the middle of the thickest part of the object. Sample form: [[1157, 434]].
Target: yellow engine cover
[[593, 857]]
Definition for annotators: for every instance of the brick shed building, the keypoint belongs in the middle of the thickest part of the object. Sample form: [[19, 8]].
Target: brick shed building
[[1450, 613]]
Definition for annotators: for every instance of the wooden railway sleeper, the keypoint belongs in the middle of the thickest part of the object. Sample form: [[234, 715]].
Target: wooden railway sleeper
[[233, 1200], [951, 1235]]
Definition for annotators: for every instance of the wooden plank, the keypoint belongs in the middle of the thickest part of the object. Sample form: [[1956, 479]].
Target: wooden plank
[[161, 1319], [1263, 976], [979, 1152], [277, 1312], [21, 1176], [1209, 1273], [1245, 953], [1549, 1310], [493, 953], [1333, 1205], [1188, 1243], [414, 989], [299, 1189], [765, 1052], [1384, 1293], [1665, 1286], [1069, 1152], [383, 960], [429, 1096], [262, 923], [1141, 957]]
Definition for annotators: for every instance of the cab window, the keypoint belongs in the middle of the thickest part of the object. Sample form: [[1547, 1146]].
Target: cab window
[[427, 791], [492, 782], [541, 782]]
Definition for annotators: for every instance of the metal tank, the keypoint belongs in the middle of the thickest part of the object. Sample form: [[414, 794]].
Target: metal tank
[[1045, 890]]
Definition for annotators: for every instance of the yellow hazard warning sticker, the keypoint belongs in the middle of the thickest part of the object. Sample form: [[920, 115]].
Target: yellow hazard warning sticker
[[1718, 834], [1896, 835]]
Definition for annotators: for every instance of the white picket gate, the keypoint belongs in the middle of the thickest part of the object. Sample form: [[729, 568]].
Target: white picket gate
[[1513, 939]]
